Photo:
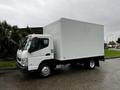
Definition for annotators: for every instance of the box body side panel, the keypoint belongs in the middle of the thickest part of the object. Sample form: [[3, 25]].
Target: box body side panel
[[81, 39], [74, 39]]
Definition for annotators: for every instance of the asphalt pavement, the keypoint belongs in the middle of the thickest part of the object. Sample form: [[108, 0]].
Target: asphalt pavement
[[105, 77]]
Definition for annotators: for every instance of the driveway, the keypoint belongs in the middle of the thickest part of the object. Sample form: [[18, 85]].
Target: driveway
[[106, 77]]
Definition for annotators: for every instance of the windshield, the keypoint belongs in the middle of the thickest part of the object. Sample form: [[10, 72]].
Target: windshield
[[27, 44], [24, 43]]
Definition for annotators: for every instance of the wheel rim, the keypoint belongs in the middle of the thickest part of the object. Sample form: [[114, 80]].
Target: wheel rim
[[45, 71], [92, 64]]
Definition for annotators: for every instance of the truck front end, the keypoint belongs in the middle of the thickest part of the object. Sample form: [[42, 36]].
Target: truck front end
[[34, 52], [22, 53]]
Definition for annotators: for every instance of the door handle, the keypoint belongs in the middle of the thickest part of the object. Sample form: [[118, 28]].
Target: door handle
[[52, 51], [48, 54]]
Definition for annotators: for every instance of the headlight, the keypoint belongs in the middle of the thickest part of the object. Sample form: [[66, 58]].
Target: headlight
[[24, 62]]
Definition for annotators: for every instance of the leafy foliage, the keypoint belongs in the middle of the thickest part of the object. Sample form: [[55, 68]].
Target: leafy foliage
[[112, 43], [9, 39], [118, 41]]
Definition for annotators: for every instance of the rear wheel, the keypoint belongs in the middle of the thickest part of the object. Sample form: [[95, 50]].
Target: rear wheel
[[90, 64]]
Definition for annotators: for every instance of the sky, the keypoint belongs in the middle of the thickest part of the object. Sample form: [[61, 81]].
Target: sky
[[38, 13]]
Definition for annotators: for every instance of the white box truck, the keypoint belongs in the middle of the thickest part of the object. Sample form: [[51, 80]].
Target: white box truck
[[65, 41]]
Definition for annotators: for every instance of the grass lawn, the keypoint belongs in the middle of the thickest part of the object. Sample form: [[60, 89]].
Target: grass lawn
[[111, 53], [7, 64]]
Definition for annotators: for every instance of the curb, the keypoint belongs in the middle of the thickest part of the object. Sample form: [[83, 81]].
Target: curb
[[1, 69], [112, 58], [5, 70]]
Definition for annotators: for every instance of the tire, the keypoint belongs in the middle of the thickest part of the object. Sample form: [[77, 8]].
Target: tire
[[45, 70], [90, 64]]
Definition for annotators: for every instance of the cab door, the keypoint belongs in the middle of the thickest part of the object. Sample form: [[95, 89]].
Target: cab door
[[41, 49]]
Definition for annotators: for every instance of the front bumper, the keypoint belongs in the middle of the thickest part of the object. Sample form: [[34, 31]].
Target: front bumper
[[20, 67]]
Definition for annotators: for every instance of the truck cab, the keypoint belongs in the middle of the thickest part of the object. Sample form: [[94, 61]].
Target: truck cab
[[33, 50]]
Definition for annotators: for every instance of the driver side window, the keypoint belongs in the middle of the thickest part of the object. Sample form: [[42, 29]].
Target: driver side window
[[39, 43]]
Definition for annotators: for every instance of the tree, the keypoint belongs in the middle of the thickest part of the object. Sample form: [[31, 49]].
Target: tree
[[105, 45], [29, 30], [118, 40], [8, 42], [112, 43], [9, 39]]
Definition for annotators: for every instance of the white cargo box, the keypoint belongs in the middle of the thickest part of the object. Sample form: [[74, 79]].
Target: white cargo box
[[75, 39]]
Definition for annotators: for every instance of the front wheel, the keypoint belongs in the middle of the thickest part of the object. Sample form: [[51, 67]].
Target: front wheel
[[45, 70]]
